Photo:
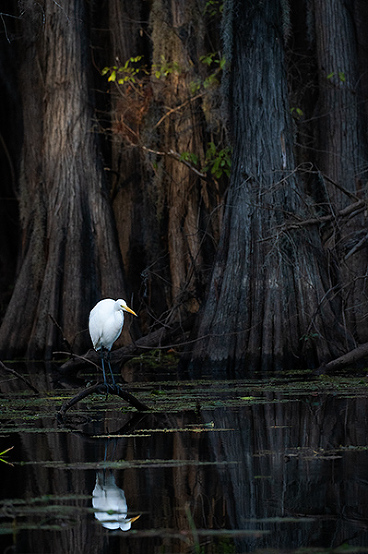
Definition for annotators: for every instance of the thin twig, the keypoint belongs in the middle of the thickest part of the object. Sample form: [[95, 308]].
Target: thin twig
[[341, 188], [176, 156], [357, 247], [172, 110], [62, 333], [19, 376], [348, 211]]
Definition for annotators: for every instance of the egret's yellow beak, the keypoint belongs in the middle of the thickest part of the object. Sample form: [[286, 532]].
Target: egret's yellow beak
[[126, 309], [132, 519]]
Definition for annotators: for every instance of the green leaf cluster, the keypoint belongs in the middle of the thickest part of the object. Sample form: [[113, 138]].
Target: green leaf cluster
[[125, 73], [211, 60], [214, 7], [297, 112], [189, 157], [340, 75], [165, 68], [218, 161], [310, 337]]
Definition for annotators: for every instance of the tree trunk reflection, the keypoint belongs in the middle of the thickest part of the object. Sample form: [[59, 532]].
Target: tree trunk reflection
[[290, 472]]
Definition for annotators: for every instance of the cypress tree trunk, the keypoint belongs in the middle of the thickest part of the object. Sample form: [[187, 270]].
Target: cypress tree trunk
[[268, 303], [139, 225], [10, 146], [341, 154], [128, 173], [178, 36], [161, 206], [283, 289], [69, 256]]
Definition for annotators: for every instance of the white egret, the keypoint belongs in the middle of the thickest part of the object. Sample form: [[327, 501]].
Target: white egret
[[106, 322], [110, 504]]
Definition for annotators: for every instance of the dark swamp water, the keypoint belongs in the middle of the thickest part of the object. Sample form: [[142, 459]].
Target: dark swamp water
[[273, 465]]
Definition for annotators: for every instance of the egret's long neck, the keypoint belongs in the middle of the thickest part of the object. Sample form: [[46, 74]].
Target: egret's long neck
[[119, 314]]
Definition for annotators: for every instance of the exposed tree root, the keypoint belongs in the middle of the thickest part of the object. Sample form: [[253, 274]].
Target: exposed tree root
[[350, 358], [101, 388]]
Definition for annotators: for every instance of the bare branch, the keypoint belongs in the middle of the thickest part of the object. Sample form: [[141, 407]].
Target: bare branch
[[340, 187], [19, 376], [177, 157], [352, 209], [172, 110], [101, 388]]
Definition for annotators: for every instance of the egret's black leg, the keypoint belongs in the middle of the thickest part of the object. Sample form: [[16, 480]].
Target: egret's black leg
[[103, 365], [108, 361]]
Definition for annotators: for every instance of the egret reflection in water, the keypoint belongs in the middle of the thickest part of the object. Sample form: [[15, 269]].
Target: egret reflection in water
[[109, 503]]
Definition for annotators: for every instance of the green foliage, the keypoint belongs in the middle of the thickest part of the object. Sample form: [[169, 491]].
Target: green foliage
[[165, 68], [125, 73], [2, 456], [310, 337], [216, 64], [340, 75], [189, 157], [211, 81], [195, 86], [214, 7], [218, 162], [208, 59], [130, 70], [297, 113]]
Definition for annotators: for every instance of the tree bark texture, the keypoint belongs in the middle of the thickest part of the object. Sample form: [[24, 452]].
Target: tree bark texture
[[268, 302], [10, 144], [130, 179], [167, 234], [70, 256], [178, 37], [112, 185], [342, 149]]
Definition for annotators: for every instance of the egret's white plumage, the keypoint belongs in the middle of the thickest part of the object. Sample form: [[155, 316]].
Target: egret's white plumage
[[109, 503], [106, 322]]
